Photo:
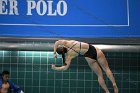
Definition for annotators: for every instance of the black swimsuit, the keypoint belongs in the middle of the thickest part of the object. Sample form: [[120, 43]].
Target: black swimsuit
[[91, 53]]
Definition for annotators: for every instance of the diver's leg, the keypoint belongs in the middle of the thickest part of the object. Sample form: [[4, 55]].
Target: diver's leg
[[96, 68], [104, 64]]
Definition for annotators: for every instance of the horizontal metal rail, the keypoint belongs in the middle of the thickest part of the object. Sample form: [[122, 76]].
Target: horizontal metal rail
[[49, 47], [46, 44]]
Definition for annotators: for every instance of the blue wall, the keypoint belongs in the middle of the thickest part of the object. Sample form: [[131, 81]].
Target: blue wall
[[93, 18]]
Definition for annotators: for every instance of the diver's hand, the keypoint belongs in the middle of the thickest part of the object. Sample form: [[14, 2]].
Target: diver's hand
[[55, 55], [53, 66]]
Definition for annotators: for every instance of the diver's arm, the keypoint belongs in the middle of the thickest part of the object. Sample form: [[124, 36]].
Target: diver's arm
[[56, 45], [64, 67]]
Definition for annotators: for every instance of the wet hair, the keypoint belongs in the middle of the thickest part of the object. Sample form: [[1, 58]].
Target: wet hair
[[62, 51], [5, 72]]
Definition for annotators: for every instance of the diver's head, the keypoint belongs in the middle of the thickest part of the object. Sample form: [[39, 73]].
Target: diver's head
[[61, 50]]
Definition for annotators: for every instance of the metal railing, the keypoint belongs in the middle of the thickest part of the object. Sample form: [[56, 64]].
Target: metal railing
[[46, 44]]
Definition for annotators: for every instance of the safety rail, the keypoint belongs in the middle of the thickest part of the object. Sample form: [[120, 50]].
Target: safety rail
[[46, 44]]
